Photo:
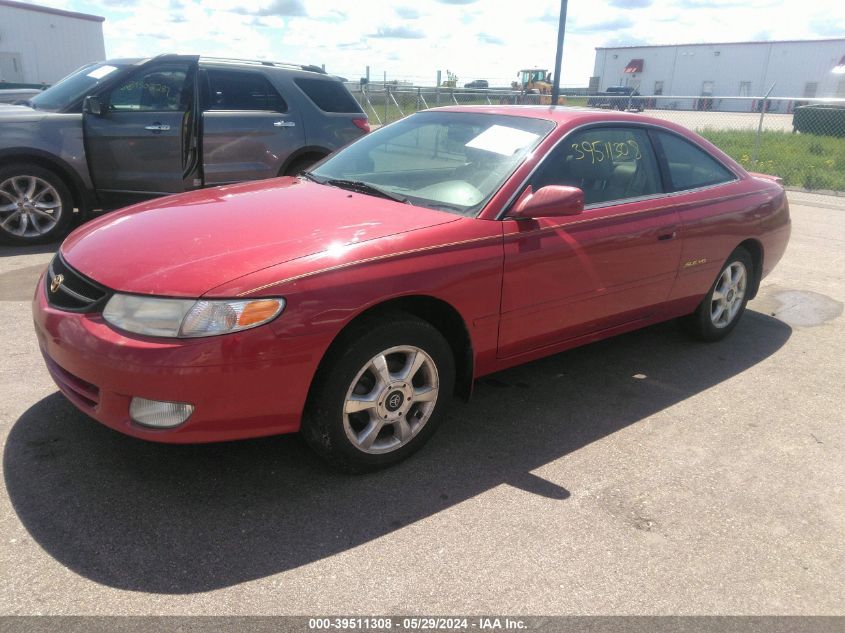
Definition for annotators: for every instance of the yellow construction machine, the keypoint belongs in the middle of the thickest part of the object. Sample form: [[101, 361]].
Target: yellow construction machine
[[535, 86], [451, 80]]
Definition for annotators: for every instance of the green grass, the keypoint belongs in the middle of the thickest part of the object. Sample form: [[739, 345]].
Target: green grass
[[802, 160]]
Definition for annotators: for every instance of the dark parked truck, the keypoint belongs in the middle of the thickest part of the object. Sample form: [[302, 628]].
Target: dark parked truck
[[125, 130], [618, 98]]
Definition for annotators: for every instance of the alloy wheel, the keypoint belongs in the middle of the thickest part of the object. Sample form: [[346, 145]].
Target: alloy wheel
[[29, 206], [390, 399], [728, 295]]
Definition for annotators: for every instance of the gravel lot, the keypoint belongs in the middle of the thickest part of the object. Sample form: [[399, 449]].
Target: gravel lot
[[646, 474]]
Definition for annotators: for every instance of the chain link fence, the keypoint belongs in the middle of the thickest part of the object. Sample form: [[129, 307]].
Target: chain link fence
[[800, 140]]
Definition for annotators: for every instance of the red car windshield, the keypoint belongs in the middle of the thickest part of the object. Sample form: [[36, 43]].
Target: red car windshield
[[453, 161]]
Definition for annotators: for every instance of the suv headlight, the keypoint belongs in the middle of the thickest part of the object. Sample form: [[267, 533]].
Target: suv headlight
[[188, 318]]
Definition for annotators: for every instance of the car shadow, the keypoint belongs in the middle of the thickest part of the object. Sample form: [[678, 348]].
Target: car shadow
[[183, 519]]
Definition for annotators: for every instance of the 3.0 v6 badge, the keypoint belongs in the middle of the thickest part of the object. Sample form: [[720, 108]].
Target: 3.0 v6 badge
[[695, 262]]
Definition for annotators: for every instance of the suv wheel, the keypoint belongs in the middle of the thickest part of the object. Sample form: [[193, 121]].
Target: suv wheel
[[35, 205], [300, 164]]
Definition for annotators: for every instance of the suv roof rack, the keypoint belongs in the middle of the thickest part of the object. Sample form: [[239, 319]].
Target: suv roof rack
[[259, 62]]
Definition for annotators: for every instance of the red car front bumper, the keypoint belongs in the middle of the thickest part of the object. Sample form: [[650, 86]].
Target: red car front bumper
[[246, 384]]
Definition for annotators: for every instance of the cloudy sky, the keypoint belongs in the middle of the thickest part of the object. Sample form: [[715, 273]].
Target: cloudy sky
[[412, 39]]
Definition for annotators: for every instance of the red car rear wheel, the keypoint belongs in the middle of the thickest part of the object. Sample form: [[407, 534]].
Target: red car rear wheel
[[722, 308]]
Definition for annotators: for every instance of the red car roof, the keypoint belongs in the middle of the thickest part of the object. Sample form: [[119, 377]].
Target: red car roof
[[559, 114]]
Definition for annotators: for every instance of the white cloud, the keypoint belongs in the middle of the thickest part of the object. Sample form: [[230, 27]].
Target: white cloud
[[397, 32], [477, 39]]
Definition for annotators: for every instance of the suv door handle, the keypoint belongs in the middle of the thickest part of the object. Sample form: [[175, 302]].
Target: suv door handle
[[284, 124], [667, 236], [157, 127]]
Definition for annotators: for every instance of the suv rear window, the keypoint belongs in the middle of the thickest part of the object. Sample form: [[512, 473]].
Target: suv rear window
[[329, 96], [237, 90]]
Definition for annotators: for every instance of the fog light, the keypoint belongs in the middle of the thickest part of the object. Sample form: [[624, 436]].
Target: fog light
[[158, 414]]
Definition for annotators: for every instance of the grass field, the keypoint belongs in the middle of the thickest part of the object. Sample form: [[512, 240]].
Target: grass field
[[802, 160]]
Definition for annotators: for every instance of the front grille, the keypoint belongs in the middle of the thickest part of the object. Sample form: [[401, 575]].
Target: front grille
[[74, 292]]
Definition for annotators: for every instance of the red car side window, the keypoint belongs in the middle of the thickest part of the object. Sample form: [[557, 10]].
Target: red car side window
[[607, 163], [690, 167]]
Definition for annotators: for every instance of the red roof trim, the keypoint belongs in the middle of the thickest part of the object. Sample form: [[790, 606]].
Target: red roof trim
[[39, 9]]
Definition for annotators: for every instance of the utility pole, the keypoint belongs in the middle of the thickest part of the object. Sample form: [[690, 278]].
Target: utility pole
[[559, 56]]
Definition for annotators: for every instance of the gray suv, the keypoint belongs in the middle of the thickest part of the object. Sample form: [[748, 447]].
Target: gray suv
[[124, 130]]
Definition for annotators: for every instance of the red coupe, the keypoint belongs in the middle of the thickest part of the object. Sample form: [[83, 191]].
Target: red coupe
[[351, 302]]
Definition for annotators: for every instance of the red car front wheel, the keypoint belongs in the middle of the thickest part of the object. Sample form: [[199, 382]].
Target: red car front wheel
[[381, 393]]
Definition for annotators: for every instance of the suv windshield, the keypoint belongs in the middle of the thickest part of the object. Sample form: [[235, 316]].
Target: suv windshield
[[454, 161], [74, 87]]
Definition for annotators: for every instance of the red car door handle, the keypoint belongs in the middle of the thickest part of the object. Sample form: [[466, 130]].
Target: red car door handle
[[667, 236]]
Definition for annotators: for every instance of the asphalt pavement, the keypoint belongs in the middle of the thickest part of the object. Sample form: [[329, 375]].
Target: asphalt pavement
[[646, 474]]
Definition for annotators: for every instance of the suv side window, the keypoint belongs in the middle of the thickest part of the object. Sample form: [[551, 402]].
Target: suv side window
[[689, 166], [606, 163], [160, 89], [328, 95], [240, 90]]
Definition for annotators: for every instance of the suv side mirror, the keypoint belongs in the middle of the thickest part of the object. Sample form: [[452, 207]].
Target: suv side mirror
[[549, 201], [92, 105]]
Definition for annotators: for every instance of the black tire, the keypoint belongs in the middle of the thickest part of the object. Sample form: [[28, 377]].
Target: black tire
[[325, 426], [700, 324], [64, 210], [301, 164]]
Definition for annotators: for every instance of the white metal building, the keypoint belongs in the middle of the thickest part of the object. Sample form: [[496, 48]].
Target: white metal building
[[42, 45], [797, 68]]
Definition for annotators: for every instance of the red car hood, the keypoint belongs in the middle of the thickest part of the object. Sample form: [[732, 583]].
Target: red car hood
[[188, 244]]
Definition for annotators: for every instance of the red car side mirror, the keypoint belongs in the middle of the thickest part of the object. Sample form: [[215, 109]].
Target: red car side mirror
[[549, 201]]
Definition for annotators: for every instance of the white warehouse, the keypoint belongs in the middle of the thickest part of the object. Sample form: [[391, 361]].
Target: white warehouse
[[40, 45], [798, 69]]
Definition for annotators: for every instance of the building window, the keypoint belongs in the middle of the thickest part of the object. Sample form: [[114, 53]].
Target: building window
[[706, 88], [658, 87], [744, 88], [810, 89]]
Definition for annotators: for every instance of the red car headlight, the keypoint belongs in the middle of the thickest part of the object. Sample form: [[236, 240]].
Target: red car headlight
[[189, 318]]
